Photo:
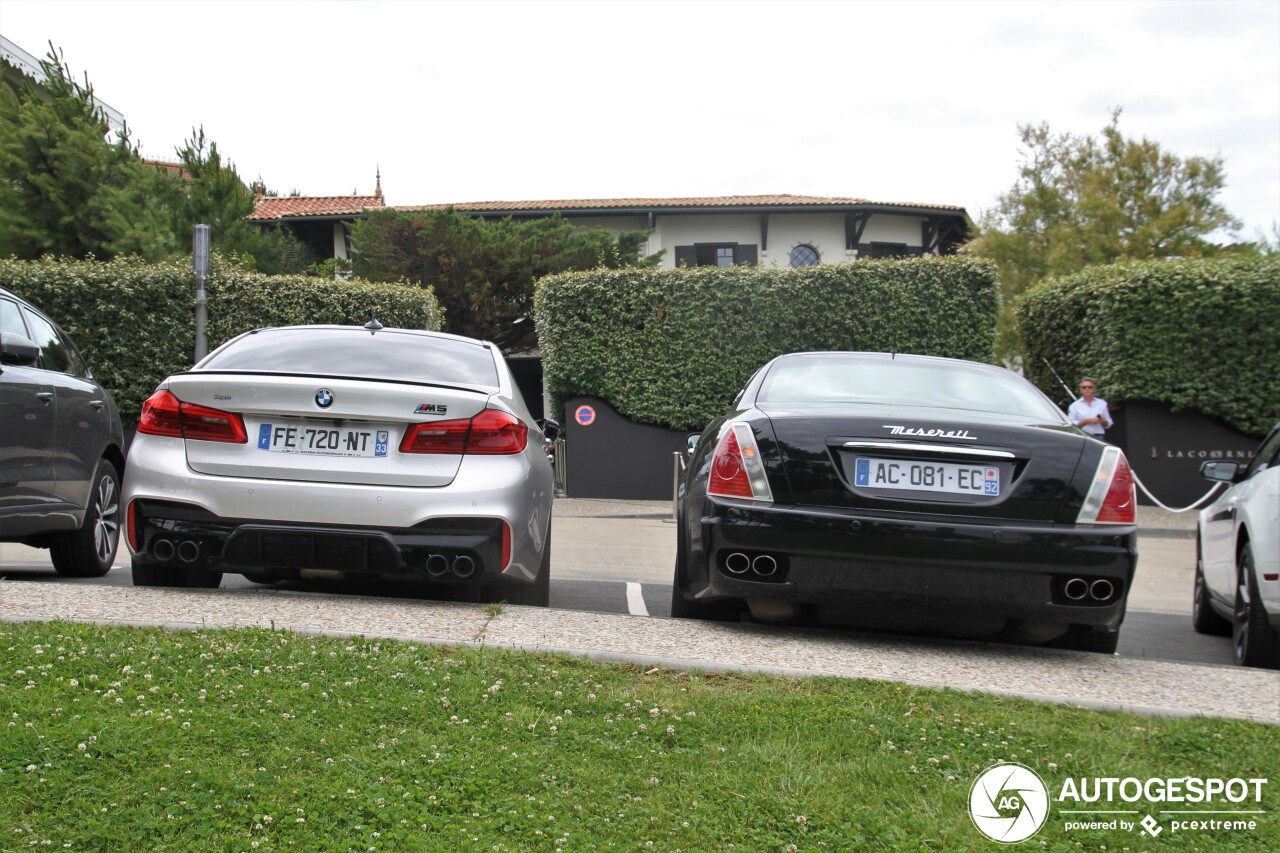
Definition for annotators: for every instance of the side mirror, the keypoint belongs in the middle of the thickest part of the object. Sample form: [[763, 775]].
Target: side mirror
[[1222, 472], [692, 442], [17, 350], [550, 429]]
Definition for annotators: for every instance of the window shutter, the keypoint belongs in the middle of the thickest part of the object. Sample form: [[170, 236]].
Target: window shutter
[[745, 254], [686, 257]]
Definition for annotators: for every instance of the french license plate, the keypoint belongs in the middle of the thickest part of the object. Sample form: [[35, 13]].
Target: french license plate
[[324, 440], [927, 476]]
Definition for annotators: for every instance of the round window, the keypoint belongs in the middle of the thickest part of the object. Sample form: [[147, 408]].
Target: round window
[[804, 256]]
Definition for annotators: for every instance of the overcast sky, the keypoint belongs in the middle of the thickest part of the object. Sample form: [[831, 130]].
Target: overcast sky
[[903, 101]]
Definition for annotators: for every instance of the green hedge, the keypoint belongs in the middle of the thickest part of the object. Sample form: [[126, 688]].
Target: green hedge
[[134, 322], [673, 347], [1201, 335]]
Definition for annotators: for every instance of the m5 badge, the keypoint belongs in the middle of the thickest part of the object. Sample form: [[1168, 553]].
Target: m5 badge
[[431, 409]]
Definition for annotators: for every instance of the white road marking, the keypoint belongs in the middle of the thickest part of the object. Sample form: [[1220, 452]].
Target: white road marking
[[635, 601]]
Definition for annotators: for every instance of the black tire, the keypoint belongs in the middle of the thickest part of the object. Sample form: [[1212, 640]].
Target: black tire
[[1088, 638], [1204, 618], [723, 610], [201, 579], [145, 574], [1253, 640], [90, 551], [536, 594]]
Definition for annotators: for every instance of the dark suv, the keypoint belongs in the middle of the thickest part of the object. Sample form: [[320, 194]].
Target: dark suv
[[61, 446]]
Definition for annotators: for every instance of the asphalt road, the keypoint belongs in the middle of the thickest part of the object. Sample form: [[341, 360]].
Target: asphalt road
[[624, 565]]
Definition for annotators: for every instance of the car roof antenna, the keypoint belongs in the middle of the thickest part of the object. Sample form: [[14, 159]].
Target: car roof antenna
[[373, 325]]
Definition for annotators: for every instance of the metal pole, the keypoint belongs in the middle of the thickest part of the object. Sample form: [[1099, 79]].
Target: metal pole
[[200, 263]]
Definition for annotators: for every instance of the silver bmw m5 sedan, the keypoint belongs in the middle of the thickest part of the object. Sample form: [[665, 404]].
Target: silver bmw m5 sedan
[[389, 455]]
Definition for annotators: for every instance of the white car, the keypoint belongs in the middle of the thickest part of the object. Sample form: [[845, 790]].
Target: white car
[[1237, 587], [389, 455]]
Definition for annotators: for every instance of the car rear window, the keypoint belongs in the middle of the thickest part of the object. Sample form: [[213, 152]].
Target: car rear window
[[388, 354], [835, 378]]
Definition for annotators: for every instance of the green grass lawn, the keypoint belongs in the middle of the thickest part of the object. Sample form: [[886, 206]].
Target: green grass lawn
[[146, 740]]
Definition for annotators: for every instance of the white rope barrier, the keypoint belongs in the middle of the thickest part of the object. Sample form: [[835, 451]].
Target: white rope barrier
[[1212, 491]]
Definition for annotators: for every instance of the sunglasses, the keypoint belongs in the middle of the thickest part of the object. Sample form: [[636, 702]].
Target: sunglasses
[[1086, 387]]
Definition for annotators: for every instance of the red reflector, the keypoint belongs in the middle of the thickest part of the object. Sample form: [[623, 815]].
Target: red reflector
[[506, 546], [131, 525], [728, 473], [490, 433], [1120, 504], [165, 414]]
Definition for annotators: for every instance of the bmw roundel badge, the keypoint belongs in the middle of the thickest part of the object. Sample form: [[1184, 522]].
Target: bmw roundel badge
[[324, 398]]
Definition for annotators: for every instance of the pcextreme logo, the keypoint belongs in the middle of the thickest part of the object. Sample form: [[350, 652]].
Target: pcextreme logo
[[1010, 803]]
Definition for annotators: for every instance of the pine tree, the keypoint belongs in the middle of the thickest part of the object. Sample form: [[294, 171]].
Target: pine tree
[[64, 189]]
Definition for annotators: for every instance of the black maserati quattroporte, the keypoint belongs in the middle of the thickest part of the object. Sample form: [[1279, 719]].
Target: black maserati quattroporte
[[907, 493]]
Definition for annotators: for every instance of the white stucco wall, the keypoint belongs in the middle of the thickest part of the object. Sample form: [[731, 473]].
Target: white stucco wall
[[823, 231]]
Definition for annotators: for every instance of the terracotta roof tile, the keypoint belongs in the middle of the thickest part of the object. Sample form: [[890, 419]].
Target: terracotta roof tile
[[277, 207], [779, 201], [169, 166]]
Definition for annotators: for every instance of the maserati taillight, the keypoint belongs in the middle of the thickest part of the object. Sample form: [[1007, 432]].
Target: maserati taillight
[[736, 468], [490, 433], [165, 414], [1112, 498]]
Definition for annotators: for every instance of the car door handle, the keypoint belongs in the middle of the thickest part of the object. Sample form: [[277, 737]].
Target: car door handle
[[44, 396], [97, 404]]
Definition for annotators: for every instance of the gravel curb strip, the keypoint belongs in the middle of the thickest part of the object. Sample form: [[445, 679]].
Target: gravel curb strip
[[1085, 680]]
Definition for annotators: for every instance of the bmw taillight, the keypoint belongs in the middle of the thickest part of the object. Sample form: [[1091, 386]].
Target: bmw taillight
[[165, 414], [736, 468], [490, 433], [1112, 498]]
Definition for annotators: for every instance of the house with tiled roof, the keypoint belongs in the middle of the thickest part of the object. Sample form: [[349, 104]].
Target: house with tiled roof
[[769, 230], [316, 223]]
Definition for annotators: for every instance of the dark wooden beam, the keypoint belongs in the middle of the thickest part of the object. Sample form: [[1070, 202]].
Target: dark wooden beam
[[764, 232], [854, 225]]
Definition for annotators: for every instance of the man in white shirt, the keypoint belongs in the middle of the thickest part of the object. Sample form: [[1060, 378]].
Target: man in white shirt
[[1090, 413]]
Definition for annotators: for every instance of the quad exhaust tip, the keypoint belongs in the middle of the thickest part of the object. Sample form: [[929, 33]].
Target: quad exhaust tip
[[1078, 589], [186, 550], [762, 565], [437, 565], [1101, 590]]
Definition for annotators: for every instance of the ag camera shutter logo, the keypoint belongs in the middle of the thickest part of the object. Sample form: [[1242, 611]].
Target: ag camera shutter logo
[[1009, 803]]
